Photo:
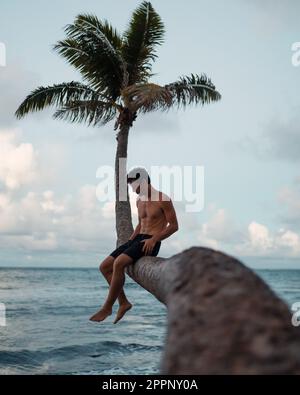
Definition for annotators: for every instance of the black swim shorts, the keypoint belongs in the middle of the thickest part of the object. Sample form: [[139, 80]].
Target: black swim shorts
[[134, 247]]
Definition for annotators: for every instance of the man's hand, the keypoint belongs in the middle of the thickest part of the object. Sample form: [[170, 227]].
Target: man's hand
[[148, 245]]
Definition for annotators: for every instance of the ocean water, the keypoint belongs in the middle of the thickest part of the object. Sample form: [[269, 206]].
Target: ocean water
[[48, 329]]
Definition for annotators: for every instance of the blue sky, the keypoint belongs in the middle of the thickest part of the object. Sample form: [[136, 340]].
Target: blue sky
[[248, 143]]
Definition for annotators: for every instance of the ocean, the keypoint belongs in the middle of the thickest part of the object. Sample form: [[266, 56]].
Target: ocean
[[48, 329]]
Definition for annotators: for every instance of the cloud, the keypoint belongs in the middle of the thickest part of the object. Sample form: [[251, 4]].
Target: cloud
[[36, 219], [221, 232], [275, 15], [218, 232], [220, 227], [49, 205], [78, 223], [289, 199], [15, 84], [256, 239], [18, 162], [259, 239], [261, 242], [279, 140], [46, 222], [46, 242], [289, 240]]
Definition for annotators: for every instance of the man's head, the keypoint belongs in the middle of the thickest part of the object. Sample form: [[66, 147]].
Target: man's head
[[139, 180]]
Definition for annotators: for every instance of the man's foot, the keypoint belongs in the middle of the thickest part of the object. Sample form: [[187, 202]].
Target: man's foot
[[124, 307], [101, 314]]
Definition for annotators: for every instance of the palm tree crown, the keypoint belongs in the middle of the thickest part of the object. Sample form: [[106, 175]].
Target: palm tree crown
[[116, 71]]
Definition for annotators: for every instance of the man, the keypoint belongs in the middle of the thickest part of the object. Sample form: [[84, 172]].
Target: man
[[157, 221]]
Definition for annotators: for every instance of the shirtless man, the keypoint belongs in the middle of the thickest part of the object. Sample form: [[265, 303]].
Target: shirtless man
[[157, 221]]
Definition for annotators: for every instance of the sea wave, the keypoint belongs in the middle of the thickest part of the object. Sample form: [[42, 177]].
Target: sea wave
[[33, 358]]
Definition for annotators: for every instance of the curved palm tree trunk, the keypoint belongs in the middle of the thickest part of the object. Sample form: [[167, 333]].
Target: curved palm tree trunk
[[221, 317], [124, 226]]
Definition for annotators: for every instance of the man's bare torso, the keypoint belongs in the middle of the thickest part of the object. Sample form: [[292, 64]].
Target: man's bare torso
[[151, 215]]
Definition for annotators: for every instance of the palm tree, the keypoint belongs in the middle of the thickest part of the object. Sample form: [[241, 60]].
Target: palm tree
[[116, 71]]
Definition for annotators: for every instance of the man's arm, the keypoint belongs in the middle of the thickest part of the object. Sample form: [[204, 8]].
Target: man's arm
[[171, 218], [172, 227], [136, 231]]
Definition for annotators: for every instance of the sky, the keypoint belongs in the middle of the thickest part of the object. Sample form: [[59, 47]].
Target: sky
[[248, 143]]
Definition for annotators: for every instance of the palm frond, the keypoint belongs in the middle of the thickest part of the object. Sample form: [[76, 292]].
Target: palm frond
[[193, 89], [147, 97], [93, 48], [92, 112], [55, 95], [186, 91], [144, 33]]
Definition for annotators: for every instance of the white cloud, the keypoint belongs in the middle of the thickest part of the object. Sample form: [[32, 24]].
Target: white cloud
[[256, 239], [17, 161], [46, 242], [49, 205], [108, 210], [259, 237], [289, 199], [15, 84], [260, 241], [43, 221], [219, 227], [291, 241]]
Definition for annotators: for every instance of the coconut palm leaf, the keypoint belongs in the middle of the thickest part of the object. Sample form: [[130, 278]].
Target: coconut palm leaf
[[193, 89], [186, 91], [144, 33], [55, 95], [92, 112], [93, 48], [147, 97]]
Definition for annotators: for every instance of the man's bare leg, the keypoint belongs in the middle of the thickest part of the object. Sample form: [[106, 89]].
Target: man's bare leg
[[116, 285], [106, 268]]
